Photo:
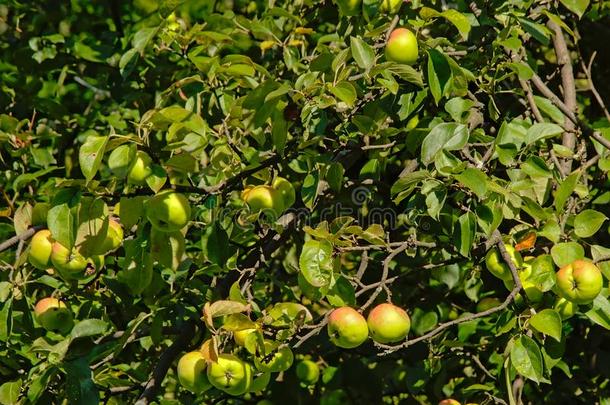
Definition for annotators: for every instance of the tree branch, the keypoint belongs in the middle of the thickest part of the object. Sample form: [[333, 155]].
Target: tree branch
[[17, 238]]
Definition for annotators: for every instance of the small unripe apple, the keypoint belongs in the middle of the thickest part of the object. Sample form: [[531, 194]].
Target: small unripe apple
[[488, 303], [566, 308], [347, 328], [41, 248], [168, 211], [496, 265], [140, 169], [192, 372], [113, 239], [579, 282], [68, 262], [265, 199], [388, 323], [122, 159], [402, 47], [390, 6], [308, 372], [449, 402], [275, 359], [54, 315], [286, 190], [230, 374], [349, 7]]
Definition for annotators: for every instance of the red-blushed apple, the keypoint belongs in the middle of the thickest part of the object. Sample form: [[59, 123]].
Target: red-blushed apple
[[388, 323], [230, 374], [488, 303], [192, 372], [275, 359], [402, 47], [449, 402], [68, 262], [349, 7], [140, 169], [54, 315], [168, 211], [307, 372], [579, 282], [496, 265], [347, 328], [41, 247]]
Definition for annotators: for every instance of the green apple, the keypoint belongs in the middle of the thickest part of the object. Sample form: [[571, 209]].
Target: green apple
[[121, 160], [41, 248], [113, 239], [349, 7], [264, 199], [388, 323], [140, 169], [347, 328], [488, 303], [260, 382], [54, 315], [307, 372], [390, 6], [68, 262], [230, 374], [192, 372], [167, 248], [496, 265], [286, 189], [566, 308], [275, 358], [402, 47], [579, 282], [168, 211]]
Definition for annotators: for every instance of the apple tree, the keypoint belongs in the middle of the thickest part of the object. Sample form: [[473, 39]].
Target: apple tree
[[334, 202]]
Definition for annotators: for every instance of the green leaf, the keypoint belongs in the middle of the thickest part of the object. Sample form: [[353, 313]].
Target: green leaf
[[309, 190], [547, 321], [61, 223], [90, 155], [79, 383], [316, 263], [363, 53], [549, 109], [215, 244], [540, 131], [423, 321], [588, 222], [578, 7], [342, 293], [439, 74], [334, 176], [464, 233], [9, 392], [458, 19], [475, 180], [543, 273], [444, 136], [525, 356], [225, 307], [345, 92], [239, 69], [137, 271], [6, 320], [600, 311], [566, 252], [89, 327], [131, 210], [565, 190]]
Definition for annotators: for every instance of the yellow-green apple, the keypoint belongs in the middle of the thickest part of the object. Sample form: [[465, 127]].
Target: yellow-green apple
[[402, 47], [168, 211], [388, 323], [192, 372], [230, 374], [239, 336], [566, 308], [275, 359], [496, 265], [286, 190], [488, 303], [347, 328], [140, 169], [579, 282], [68, 262], [449, 402], [54, 315], [349, 7], [260, 382], [167, 248], [307, 372], [390, 6], [265, 199], [112, 240], [41, 248]]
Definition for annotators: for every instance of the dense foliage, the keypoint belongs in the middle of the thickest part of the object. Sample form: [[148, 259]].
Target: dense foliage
[[315, 164]]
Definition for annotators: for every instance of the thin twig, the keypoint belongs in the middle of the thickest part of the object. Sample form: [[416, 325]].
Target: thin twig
[[21, 237]]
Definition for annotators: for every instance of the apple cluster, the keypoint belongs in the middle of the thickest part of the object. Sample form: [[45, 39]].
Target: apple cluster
[[578, 282], [270, 200]]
